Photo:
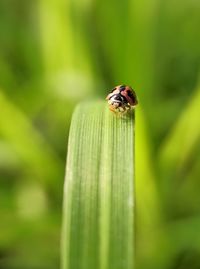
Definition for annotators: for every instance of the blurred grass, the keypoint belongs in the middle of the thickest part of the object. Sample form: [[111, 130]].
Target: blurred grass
[[27, 143], [54, 54], [183, 138]]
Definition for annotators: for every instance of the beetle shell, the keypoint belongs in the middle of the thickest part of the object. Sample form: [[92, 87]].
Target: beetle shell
[[121, 99]]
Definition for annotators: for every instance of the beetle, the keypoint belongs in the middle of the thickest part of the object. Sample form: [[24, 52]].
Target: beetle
[[121, 99]]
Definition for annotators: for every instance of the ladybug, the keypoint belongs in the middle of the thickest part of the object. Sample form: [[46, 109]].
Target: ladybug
[[122, 99]]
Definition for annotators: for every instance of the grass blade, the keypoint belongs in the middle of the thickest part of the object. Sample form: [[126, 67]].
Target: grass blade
[[183, 138], [28, 143], [98, 215]]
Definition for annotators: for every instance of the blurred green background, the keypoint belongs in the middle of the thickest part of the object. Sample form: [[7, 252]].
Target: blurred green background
[[55, 53]]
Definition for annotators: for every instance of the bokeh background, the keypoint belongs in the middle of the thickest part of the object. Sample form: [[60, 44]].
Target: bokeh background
[[55, 53]]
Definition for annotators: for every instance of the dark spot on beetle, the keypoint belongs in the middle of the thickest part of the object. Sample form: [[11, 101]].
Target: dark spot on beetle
[[118, 98], [113, 89], [119, 104], [124, 99], [130, 94], [122, 88], [113, 96]]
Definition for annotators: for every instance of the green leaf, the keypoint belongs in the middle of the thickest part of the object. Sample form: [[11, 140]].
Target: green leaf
[[98, 214], [28, 144], [182, 140]]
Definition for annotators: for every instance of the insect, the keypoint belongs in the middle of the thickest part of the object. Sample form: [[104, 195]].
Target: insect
[[122, 99]]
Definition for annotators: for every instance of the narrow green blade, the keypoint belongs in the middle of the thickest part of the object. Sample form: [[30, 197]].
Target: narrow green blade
[[98, 214]]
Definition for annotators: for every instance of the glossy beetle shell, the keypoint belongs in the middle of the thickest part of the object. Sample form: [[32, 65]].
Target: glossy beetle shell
[[122, 98]]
